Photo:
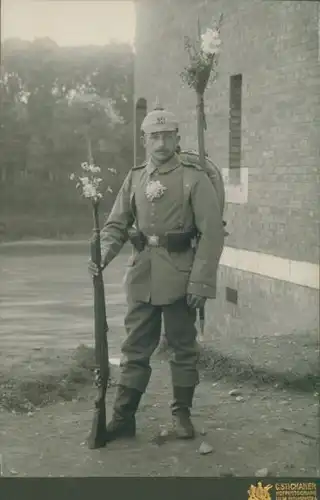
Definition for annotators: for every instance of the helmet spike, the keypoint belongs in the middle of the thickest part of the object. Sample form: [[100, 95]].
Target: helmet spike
[[157, 105]]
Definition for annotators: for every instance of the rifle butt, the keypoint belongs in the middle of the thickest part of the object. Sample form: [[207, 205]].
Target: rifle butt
[[97, 438]]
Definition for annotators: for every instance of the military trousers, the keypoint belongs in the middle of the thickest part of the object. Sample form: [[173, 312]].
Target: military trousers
[[143, 325]]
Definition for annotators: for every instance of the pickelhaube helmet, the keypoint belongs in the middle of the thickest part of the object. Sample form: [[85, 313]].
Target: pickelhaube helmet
[[159, 120]]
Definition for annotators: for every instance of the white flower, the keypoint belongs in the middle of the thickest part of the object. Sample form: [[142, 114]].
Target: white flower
[[95, 169], [89, 184], [89, 191], [154, 190], [210, 41], [85, 166], [84, 180], [112, 170]]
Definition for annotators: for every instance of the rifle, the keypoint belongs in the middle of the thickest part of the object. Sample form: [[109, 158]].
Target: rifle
[[201, 126], [97, 437], [203, 76]]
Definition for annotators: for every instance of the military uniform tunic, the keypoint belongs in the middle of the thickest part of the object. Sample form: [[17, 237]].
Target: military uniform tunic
[[157, 280], [189, 200]]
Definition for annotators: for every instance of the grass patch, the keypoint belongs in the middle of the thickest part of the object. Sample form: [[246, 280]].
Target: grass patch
[[216, 366], [43, 380]]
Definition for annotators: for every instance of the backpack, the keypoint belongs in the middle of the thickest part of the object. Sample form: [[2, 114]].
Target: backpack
[[212, 171]]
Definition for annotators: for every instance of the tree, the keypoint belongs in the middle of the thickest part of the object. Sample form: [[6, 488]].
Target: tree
[[42, 125]]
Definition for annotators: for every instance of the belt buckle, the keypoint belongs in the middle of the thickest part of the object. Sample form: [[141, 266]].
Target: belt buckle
[[153, 240]]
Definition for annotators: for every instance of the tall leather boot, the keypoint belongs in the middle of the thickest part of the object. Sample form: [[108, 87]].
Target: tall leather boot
[[123, 422], [180, 408]]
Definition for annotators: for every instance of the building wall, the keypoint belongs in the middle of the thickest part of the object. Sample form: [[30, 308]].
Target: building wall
[[274, 208], [274, 45]]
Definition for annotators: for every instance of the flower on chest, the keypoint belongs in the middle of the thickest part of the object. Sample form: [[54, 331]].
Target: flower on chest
[[154, 190]]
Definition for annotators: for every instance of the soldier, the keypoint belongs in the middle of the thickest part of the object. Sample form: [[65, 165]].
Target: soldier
[[168, 203]]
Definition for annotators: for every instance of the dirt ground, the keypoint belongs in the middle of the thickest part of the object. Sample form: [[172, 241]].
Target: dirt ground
[[45, 315], [260, 431]]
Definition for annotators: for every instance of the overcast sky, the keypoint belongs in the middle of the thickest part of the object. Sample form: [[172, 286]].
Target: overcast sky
[[73, 22]]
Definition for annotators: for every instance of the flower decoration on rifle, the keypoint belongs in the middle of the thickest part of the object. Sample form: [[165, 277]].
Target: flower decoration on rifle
[[203, 57], [202, 69], [89, 183]]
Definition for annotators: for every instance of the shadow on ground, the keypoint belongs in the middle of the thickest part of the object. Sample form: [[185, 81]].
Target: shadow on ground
[[216, 366]]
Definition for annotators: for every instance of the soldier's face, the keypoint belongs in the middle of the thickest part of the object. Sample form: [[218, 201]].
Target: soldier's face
[[161, 145]]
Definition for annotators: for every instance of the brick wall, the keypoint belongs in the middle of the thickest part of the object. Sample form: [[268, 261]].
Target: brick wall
[[274, 45]]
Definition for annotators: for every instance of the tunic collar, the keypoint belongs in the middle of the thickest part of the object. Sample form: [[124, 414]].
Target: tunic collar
[[172, 164]]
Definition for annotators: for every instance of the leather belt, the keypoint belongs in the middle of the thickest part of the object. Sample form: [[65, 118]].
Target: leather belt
[[173, 242]]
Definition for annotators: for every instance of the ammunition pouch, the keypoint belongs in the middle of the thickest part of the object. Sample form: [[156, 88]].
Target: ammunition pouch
[[171, 241]]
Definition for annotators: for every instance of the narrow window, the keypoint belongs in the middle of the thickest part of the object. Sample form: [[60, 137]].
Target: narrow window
[[235, 126]]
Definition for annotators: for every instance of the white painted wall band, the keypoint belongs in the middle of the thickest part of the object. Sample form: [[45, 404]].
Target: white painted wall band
[[300, 273], [236, 193]]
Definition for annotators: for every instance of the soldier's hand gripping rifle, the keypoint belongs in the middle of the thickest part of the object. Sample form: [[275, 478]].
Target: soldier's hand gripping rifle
[[97, 437]]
